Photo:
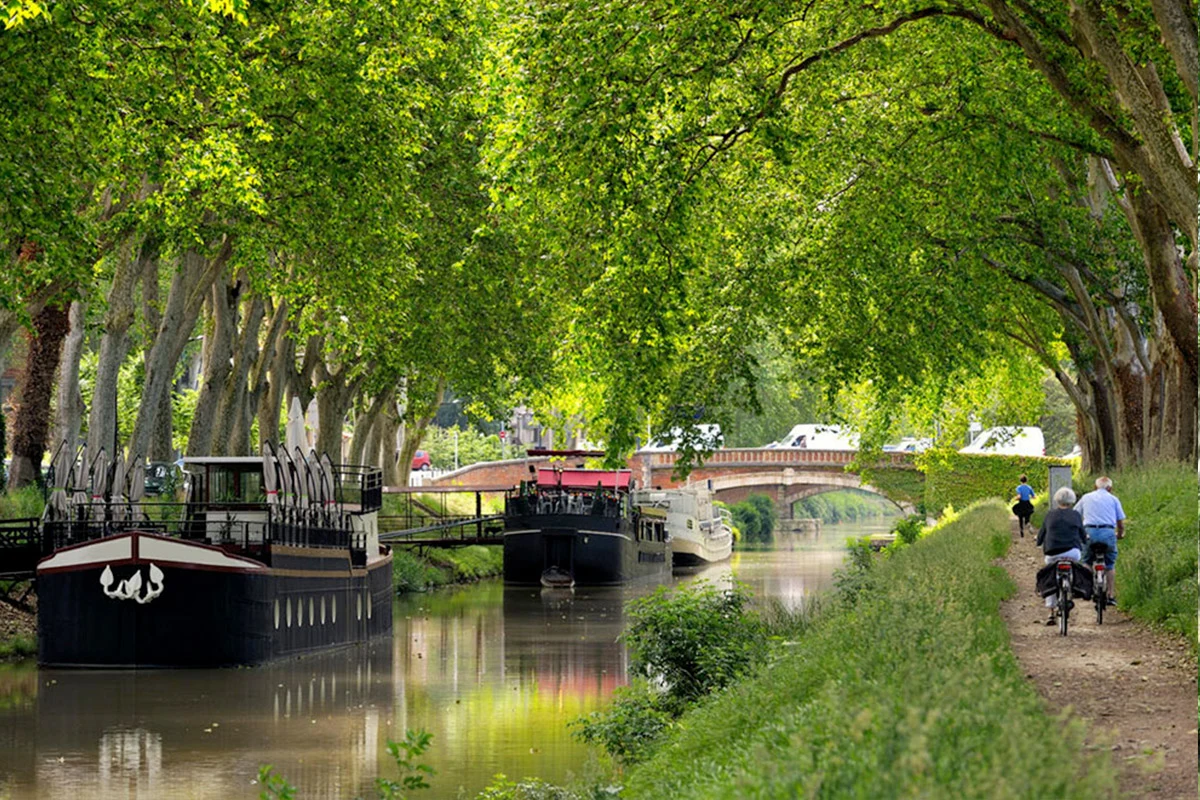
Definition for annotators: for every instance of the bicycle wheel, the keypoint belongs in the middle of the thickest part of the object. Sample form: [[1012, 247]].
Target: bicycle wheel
[[1064, 605], [1101, 598]]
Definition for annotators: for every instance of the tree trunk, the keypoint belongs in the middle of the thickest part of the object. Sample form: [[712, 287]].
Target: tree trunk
[[69, 406], [364, 430], [218, 353], [278, 376], [114, 345], [414, 432], [389, 454], [232, 435], [189, 286], [32, 419]]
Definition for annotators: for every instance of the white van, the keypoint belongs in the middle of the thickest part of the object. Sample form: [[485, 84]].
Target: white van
[[818, 437], [709, 437], [1008, 441]]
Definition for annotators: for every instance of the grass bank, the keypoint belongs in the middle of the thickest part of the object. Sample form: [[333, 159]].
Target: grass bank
[[1156, 563], [907, 687], [443, 566]]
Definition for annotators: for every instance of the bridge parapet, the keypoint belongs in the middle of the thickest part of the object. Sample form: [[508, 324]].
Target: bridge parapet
[[774, 457]]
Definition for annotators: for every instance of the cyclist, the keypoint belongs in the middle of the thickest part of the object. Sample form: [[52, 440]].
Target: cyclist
[[1024, 507], [1104, 521], [1061, 535]]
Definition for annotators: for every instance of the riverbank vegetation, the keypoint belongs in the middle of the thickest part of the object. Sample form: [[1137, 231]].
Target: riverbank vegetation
[[844, 506], [442, 566], [903, 684]]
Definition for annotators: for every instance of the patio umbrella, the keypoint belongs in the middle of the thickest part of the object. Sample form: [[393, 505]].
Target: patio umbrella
[[57, 506], [295, 437], [99, 477], [137, 488], [79, 474], [117, 490], [328, 484], [270, 476], [301, 479]]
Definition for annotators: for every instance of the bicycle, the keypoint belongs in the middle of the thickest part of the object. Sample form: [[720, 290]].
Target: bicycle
[[1100, 580], [1062, 575]]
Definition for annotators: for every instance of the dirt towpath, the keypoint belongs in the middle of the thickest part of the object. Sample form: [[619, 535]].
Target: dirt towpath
[[1136, 688]]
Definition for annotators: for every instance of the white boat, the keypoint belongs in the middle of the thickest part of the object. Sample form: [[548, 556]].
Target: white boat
[[700, 532]]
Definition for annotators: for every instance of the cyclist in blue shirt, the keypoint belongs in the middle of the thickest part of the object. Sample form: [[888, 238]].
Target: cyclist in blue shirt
[[1024, 507], [1104, 521]]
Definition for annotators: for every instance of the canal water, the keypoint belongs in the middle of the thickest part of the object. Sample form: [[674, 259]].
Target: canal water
[[494, 674]]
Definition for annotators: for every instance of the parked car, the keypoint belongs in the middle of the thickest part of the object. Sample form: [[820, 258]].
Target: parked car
[[909, 444], [1008, 441], [707, 437], [422, 461]]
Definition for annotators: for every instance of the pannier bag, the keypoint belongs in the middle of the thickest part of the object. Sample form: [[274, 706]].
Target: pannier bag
[[1081, 580]]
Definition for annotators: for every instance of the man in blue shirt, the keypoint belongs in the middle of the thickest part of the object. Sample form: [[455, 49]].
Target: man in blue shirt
[[1104, 521], [1024, 507]]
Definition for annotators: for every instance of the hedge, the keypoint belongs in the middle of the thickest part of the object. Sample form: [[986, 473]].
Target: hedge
[[959, 479]]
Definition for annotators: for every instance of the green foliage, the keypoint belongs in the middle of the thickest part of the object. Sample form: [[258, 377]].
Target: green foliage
[[903, 485], [18, 646], [912, 691], [443, 566], [855, 575], [1156, 569], [909, 528], [24, 503], [958, 479], [631, 726], [473, 446], [534, 789], [843, 506], [275, 786], [183, 409], [3, 447], [695, 639], [412, 773], [683, 644], [755, 518]]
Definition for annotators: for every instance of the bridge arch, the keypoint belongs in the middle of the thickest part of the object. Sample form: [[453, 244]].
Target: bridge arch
[[788, 485]]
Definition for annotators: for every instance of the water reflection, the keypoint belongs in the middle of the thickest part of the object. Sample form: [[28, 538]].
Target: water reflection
[[493, 674]]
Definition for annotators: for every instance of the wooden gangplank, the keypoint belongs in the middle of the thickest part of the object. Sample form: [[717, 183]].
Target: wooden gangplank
[[471, 531]]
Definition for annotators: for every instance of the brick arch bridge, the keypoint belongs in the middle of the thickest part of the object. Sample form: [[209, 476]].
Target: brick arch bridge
[[785, 474]]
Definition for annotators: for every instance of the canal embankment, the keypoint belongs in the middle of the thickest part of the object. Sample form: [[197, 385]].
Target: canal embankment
[[903, 684], [18, 621], [433, 567]]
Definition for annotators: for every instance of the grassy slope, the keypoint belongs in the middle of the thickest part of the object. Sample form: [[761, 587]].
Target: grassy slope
[[439, 567], [913, 692], [1156, 564]]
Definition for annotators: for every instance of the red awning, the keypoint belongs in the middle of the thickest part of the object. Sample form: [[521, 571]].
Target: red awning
[[585, 478]]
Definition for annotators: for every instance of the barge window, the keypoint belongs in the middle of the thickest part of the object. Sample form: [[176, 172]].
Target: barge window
[[358, 607], [368, 605], [276, 613], [322, 609], [334, 612], [312, 614], [289, 612]]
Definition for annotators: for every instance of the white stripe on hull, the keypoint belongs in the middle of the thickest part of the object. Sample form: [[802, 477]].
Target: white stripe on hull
[[102, 552]]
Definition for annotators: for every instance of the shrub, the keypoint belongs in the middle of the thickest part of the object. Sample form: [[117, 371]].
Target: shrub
[[695, 639], [909, 528], [632, 723], [755, 518]]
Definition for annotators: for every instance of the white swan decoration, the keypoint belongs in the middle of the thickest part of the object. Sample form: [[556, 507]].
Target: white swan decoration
[[131, 588]]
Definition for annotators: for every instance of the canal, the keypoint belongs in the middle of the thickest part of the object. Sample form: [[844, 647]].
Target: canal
[[494, 674]]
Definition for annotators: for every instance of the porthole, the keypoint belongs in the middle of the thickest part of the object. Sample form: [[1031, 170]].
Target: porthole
[[333, 611], [289, 612], [358, 607], [322, 609], [369, 605], [312, 614], [276, 613]]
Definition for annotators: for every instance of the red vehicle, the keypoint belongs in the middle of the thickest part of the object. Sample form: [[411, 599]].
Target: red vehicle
[[421, 461]]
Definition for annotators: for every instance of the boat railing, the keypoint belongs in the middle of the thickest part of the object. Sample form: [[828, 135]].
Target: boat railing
[[360, 485], [247, 526], [571, 503]]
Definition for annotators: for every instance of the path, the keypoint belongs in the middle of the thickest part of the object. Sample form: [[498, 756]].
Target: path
[[1152, 728]]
